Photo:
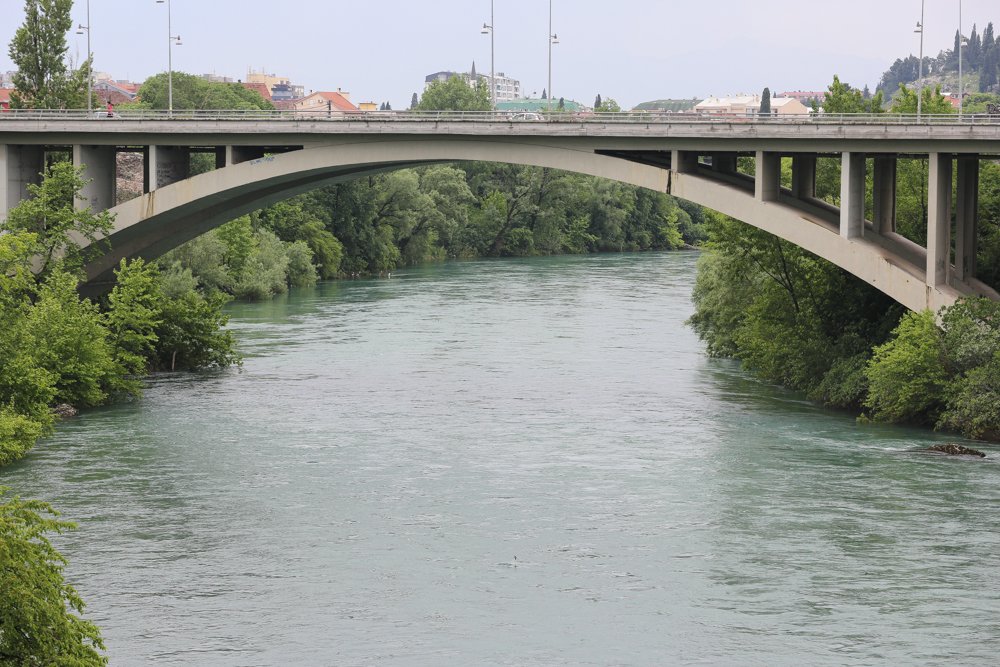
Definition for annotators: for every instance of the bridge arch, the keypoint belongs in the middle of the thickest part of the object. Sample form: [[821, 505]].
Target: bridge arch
[[154, 223]]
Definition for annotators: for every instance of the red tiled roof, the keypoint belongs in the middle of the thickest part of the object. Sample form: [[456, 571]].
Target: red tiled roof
[[260, 88], [5, 94], [336, 100]]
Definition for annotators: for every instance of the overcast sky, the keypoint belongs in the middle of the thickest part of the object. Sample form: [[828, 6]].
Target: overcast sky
[[632, 50]]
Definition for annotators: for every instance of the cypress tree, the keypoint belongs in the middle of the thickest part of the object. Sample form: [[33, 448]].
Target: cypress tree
[[765, 102], [414, 101], [597, 102]]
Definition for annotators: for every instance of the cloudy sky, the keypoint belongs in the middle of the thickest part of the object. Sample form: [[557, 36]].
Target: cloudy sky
[[632, 50]]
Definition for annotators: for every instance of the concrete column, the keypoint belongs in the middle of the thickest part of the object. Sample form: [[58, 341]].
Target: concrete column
[[683, 162], [804, 175], [221, 155], [884, 194], [238, 154], [101, 174], [967, 217], [19, 167], [724, 163], [767, 184], [166, 165], [852, 195], [938, 219]]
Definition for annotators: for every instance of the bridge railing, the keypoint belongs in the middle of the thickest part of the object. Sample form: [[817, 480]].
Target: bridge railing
[[625, 117]]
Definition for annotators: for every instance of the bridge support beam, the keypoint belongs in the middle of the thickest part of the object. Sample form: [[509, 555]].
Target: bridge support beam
[[101, 173], [767, 185], [166, 165], [852, 195], [938, 219], [239, 154], [19, 167], [967, 217], [804, 176], [884, 194], [683, 162]]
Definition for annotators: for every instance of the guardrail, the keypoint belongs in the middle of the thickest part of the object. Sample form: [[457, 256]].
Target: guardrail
[[631, 117]]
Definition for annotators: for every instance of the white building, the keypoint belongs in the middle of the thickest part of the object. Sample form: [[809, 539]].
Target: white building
[[749, 105], [508, 88]]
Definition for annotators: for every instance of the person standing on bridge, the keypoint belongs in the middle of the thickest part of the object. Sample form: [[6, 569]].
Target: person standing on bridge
[[111, 109]]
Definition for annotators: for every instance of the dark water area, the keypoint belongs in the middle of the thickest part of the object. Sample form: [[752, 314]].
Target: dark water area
[[523, 462]]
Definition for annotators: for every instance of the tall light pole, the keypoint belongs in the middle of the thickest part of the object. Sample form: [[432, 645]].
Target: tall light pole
[[961, 42], [488, 29], [920, 80], [172, 40], [553, 39], [90, 68]]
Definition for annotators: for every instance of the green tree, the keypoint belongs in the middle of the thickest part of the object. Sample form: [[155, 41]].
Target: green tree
[[841, 98], [608, 106], [933, 102], [907, 375], [50, 214], [39, 621], [38, 49], [414, 102], [455, 94], [191, 334], [765, 102], [193, 92], [598, 102], [133, 313]]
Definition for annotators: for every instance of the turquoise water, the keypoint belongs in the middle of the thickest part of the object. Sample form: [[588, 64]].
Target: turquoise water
[[513, 463]]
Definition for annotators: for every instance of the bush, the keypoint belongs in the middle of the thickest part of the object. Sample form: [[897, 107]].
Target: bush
[[191, 335], [18, 434], [907, 375], [38, 625]]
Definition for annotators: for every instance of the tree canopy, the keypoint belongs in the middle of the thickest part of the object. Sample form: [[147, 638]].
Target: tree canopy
[[455, 94], [193, 92], [43, 79]]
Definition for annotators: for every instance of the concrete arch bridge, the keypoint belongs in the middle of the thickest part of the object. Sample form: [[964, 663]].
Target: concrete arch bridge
[[263, 158]]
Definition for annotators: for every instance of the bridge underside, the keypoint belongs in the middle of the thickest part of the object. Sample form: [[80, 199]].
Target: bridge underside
[[176, 207]]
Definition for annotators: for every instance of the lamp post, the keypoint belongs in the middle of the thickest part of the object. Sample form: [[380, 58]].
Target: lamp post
[[920, 79], [172, 40], [488, 29], [90, 74], [553, 39], [961, 42]]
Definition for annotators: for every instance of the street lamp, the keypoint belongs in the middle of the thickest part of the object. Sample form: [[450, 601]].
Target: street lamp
[[920, 80], [172, 40], [488, 30], [90, 73], [961, 42], [553, 39]]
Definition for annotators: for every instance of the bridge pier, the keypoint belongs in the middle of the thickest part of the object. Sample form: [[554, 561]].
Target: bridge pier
[[938, 219], [804, 176], [884, 194], [19, 167], [165, 165], [852, 195], [101, 173], [967, 217], [767, 184]]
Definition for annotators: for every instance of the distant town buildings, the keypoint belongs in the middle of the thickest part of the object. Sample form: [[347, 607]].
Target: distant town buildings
[[805, 96], [749, 105], [280, 88], [325, 103], [508, 88], [7, 79]]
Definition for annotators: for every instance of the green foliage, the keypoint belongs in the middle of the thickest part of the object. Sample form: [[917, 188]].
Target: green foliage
[[907, 375], [607, 106], [68, 339], [49, 213], [765, 102], [18, 434], [932, 101], [265, 272], [842, 98], [455, 94], [191, 334], [38, 49], [134, 311], [39, 622], [193, 92]]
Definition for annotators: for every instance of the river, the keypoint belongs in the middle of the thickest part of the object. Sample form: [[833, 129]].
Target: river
[[518, 462]]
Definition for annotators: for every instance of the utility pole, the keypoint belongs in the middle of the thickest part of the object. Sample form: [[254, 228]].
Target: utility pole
[[920, 81], [553, 39], [90, 73]]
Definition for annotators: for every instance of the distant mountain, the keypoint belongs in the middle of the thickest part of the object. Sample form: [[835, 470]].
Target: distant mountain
[[980, 62], [668, 105]]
